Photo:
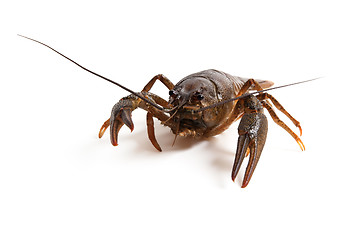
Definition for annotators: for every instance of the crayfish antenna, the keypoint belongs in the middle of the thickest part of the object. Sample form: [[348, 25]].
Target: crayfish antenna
[[98, 75]]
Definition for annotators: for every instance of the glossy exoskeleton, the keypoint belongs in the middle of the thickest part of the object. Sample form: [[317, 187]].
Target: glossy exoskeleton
[[202, 105], [198, 110]]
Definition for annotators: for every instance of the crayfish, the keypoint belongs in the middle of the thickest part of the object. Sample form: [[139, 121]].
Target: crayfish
[[202, 105]]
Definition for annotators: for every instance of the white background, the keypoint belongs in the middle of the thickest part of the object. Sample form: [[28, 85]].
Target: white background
[[59, 181]]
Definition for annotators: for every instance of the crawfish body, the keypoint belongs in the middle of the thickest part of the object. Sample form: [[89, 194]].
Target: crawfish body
[[208, 90], [200, 90], [200, 105]]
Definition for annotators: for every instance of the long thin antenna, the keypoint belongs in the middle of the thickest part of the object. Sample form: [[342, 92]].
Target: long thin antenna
[[242, 96], [98, 75]]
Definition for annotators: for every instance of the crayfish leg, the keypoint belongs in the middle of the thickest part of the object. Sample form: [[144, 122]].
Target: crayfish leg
[[277, 120], [104, 127], [151, 131]]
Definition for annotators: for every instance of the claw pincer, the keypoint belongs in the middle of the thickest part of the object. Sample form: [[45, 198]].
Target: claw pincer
[[252, 131], [120, 115]]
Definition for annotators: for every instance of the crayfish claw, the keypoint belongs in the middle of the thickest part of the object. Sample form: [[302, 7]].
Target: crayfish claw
[[118, 118], [254, 159], [115, 126], [120, 115], [252, 136], [241, 151], [126, 118]]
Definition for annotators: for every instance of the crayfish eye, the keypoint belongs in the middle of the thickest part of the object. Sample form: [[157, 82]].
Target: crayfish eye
[[199, 96], [171, 92]]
